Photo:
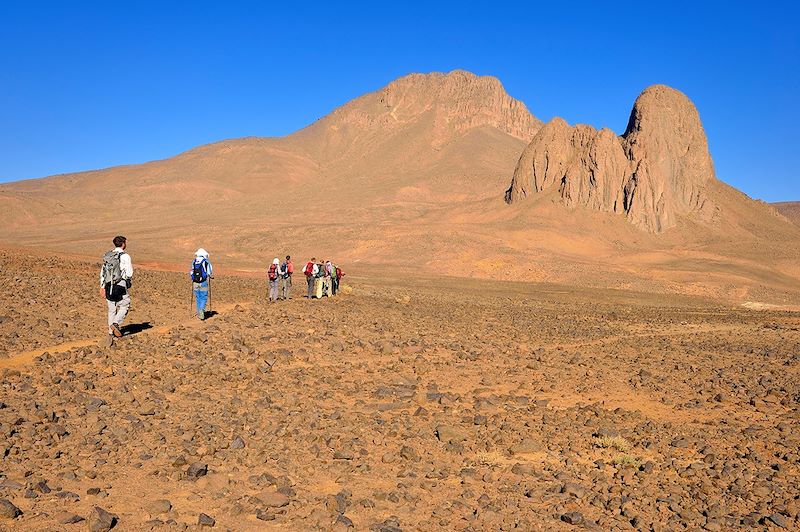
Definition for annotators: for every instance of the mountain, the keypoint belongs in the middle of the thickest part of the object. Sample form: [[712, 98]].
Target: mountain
[[418, 144], [409, 180], [656, 171]]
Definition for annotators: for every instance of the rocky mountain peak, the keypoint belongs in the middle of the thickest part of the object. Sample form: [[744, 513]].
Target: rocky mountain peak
[[455, 102], [654, 172]]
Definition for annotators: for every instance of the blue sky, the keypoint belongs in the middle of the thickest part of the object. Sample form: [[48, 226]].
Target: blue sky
[[87, 85]]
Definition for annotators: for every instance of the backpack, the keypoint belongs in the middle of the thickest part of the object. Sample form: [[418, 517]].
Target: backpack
[[321, 270], [309, 269], [339, 273], [199, 274], [273, 272], [289, 268], [112, 272]]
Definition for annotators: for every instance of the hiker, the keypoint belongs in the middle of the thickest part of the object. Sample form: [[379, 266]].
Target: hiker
[[338, 276], [310, 272], [287, 269], [319, 285], [115, 279], [335, 279], [200, 275], [328, 278], [272, 275]]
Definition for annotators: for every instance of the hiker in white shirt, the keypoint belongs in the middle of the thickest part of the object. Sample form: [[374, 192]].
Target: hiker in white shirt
[[115, 280]]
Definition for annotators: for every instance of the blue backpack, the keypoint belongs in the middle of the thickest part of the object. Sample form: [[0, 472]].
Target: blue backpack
[[199, 274]]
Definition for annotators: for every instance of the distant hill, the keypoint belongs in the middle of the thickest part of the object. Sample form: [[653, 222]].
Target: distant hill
[[790, 209]]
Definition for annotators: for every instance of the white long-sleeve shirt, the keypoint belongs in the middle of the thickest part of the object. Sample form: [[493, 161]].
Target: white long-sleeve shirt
[[125, 265]]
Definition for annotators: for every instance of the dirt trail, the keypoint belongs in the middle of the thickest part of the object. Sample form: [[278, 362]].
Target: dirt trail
[[27, 357]]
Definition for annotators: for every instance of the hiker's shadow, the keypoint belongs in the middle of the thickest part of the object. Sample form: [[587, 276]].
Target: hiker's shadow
[[211, 313], [136, 328]]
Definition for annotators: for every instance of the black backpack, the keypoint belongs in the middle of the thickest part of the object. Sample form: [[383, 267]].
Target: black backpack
[[199, 274]]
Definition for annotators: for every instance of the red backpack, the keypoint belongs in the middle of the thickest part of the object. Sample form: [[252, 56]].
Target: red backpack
[[309, 269], [289, 267], [273, 272]]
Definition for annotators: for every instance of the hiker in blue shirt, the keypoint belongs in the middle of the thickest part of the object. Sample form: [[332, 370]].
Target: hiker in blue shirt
[[200, 274]]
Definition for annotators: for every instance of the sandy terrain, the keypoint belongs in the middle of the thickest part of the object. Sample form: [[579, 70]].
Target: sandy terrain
[[436, 403]]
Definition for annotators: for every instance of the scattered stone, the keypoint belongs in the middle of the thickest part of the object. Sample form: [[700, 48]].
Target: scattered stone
[[343, 523], [450, 434], [100, 520], [343, 455], [572, 518], [237, 443], [206, 520], [68, 518], [8, 510], [273, 499], [197, 470], [778, 520], [159, 506], [68, 496], [576, 490], [680, 443]]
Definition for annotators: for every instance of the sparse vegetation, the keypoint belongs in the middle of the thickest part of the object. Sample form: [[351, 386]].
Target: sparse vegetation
[[625, 460], [490, 458], [613, 442]]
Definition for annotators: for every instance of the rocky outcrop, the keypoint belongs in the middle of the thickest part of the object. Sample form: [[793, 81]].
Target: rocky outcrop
[[455, 101], [654, 173]]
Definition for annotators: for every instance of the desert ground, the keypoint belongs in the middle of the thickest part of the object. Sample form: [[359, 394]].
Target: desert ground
[[429, 403]]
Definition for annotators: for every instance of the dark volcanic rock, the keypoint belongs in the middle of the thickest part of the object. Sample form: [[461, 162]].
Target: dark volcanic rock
[[8, 510], [206, 520], [573, 518], [197, 470]]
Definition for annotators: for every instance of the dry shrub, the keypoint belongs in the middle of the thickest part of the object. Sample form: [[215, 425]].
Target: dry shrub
[[614, 442], [489, 458], [626, 460]]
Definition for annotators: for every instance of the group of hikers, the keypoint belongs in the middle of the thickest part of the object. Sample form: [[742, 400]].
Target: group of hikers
[[322, 277], [116, 277]]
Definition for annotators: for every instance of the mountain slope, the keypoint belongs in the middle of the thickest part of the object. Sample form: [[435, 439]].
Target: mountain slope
[[427, 139]]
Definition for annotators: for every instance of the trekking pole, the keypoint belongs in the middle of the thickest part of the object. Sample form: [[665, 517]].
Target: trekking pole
[[208, 302]]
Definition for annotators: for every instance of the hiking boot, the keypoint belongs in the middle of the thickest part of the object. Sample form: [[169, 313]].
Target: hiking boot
[[115, 330], [201, 315]]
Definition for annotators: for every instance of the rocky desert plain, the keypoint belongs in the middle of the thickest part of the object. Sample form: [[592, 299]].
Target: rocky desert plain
[[543, 327]]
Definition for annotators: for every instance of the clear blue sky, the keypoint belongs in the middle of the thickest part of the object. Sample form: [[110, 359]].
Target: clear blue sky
[[87, 85]]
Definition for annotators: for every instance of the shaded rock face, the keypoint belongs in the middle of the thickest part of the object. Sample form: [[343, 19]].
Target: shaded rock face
[[654, 172]]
